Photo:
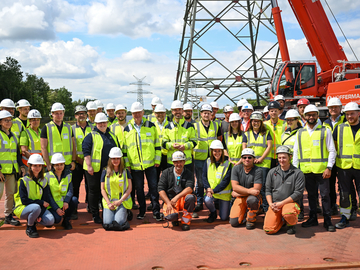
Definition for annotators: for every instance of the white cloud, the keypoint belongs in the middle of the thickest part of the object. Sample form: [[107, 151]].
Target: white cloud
[[137, 54]]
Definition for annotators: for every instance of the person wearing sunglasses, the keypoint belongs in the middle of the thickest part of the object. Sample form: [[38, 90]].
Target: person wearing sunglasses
[[246, 182]]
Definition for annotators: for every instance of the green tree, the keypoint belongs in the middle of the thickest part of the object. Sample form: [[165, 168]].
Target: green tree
[[63, 96], [10, 79]]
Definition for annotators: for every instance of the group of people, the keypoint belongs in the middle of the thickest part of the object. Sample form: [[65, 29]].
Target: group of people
[[250, 163]]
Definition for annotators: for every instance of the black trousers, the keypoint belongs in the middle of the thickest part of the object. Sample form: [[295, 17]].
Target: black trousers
[[77, 177], [346, 183], [313, 183], [332, 184], [94, 196], [163, 166]]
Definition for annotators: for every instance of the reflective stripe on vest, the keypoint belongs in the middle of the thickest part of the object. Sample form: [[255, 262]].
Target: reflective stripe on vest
[[215, 176], [60, 144], [118, 132], [276, 131], [8, 153], [161, 135], [259, 146], [34, 139], [348, 148], [204, 139], [58, 189], [234, 147]]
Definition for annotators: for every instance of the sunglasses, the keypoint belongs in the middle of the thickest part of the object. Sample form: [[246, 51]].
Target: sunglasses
[[247, 157]]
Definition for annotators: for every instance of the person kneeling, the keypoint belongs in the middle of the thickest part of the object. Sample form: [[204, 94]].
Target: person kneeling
[[246, 181], [216, 179], [284, 187], [175, 187], [62, 201], [116, 188], [32, 197]]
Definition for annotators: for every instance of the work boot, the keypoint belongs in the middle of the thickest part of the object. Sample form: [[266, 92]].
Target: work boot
[[328, 225], [97, 219], [158, 217], [312, 221], [125, 226], [12, 221], [250, 225], [212, 217], [135, 206], [353, 215], [198, 208], [108, 227], [185, 227], [343, 223], [175, 223], [130, 215], [291, 229], [141, 216], [149, 208], [195, 215], [66, 224], [334, 210], [74, 216], [31, 231], [301, 216]]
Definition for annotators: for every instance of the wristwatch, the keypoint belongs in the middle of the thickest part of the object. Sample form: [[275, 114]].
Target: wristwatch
[[330, 168]]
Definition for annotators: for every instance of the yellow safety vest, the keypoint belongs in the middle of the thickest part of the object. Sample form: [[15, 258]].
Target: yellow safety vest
[[276, 131], [348, 149], [79, 138], [215, 175], [161, 135], [59, 143], [234, 147], [182, 133], [58, 189], [313, 154], [115, 187], [288, 138], [341, 120], [112, 122], [202, 149], [35, 192], [96, 150], [146, 155], [18, 126], [117, 129], [152, 118], [31, 139], [259, 146], [8, 153]]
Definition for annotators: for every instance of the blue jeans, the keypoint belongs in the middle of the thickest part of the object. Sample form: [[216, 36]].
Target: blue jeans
[[119, 215], [72, 206], [199, 188], [224, 207], [32, 211], [151, 176], [265, 204]]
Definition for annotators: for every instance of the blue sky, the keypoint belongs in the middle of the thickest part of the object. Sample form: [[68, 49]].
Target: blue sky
[[94, 48]]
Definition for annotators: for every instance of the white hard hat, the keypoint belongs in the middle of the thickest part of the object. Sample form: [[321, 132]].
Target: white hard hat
[[283, 149], [36, 159], [7, 103], [241, 102], [256, 116], [206, 107], [91, 105], [247, 106], [214, 104], [110, 106], [120, 107], [115, 152], [248, 151], [351, 106], [334, 102], [266, 109], [178, 155], [176, 104], [228, 109], [160, 108], [5, 114], [57, 158], [22, 103], [216, 145], [311, 108], [156, 101], [234, 117], [279, 97], [187, 107], [292, 114], [136, 107], [57, 107], [100, 118], [34, 114], [98, 104]]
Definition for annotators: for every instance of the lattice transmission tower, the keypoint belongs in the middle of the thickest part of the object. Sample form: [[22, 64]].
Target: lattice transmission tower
[[139, 91], [228, 50]]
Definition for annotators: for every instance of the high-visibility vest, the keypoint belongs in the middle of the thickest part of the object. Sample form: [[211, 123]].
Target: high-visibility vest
[[112, 122], [288, 138], [234, 147], [115, 187], [161, 135], [215, 175], [34, 191], [259, 146], [8, 153], [117, 130], [275, 131], [18, 126], [92, 125], [341, 120], [58, 189], [150, 152], [59, 143], [182, 133], [31, 139], [152, 118], [79, 138], [96, 150], [204, 139], [313, 153], [348, 149]]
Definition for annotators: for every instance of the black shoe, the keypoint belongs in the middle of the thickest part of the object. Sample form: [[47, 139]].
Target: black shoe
[[66, 224], [185, 227], [353, 216], [334, 210], [130, 215], [135, 206], [10, 220], [291, 230], [31, 231], [250, 225], [97, 219], [195, 215], [74, 216], [141, 216], [158, 216], [312, 221], [198, 207], [328, 225], [343, 223], [212, 217], [175, 223], [301, 216], [149, 208]]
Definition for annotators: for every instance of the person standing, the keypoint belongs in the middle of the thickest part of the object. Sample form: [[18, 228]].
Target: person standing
[[154, 102], [282, 111], [314, 154], [91, 112], [8, 105], [21, 122], [246, 110], [188, 113], [215, 108], [301, 104], [228, 110], [120, 112], [99, 106], [239, 105], [110, 111], [233, 140], [266, 112]]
